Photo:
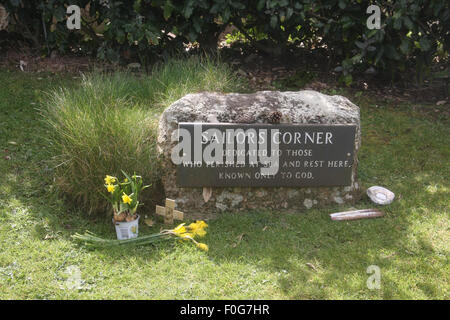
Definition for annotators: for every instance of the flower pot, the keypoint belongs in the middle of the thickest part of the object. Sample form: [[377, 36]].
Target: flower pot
[[127, 230]]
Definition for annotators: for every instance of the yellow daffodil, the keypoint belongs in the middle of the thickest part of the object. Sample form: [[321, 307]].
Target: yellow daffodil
[[198, 225], [200, 233], [180, 229], [193, 226], [198, 228], [126, 198], [187, 236], [110, 179], [202, 246], [110, 188], [202, 224]]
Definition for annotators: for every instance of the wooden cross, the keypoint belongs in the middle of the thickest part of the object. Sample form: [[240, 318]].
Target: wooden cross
[[168, 212]]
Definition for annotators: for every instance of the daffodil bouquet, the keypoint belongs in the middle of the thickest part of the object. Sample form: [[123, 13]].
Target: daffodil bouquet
[[124, 196], [181, 232]]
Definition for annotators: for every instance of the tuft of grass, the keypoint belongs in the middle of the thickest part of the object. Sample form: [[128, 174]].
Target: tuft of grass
[[109, 123], [171, 80]]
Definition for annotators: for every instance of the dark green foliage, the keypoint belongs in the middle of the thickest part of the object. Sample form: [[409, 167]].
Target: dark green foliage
[[412, 32]]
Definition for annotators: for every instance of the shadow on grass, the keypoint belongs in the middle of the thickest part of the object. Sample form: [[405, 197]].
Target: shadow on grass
[[308, 255]]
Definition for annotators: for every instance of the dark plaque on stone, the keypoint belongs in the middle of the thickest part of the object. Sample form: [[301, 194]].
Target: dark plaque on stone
[[264, 155]]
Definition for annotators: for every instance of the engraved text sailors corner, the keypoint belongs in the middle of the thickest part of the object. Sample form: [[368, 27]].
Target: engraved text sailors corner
[[254, 155]]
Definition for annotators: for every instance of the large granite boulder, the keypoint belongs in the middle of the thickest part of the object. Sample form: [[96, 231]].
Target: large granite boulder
[[303, 107]]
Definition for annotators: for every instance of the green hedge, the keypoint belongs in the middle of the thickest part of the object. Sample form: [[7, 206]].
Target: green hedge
[[412, 31]]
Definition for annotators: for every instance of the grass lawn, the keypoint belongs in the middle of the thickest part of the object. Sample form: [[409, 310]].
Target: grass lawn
[[253, 255]]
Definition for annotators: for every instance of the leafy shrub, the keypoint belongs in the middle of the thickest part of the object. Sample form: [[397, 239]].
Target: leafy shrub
[[109, 123], [412, 32], [43, 24]]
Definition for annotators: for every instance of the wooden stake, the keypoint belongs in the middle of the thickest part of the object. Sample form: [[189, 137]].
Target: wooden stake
[[356, 214]]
